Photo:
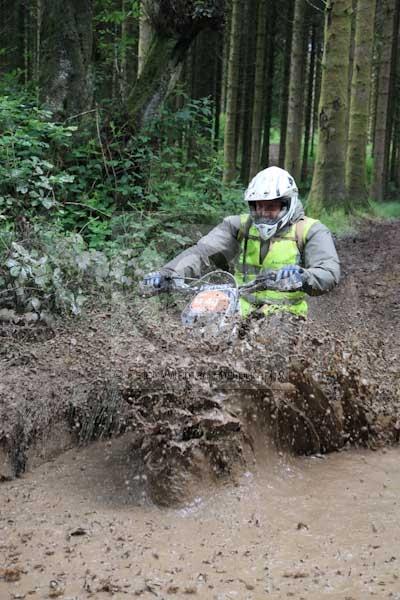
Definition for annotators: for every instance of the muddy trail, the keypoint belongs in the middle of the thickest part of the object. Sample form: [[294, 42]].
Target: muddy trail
[[138, 459], [200, 409], [304, 528]]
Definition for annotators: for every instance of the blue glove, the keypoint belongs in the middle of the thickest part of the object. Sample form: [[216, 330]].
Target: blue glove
[[289, 278], [156, 280]]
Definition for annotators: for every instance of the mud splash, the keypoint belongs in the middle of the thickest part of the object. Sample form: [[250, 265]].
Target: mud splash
[[205, 414], [201, 409]]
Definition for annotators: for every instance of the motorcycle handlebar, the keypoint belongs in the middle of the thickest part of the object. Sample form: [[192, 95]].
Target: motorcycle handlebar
[[178, 284]]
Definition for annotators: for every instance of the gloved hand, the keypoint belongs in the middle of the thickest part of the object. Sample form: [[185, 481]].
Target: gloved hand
[[289, 278], [157, 281]]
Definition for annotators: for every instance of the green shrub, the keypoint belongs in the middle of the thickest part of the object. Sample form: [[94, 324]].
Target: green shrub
[[56, 272], [30, 179]]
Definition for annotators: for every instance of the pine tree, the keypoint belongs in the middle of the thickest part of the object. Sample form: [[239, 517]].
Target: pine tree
[[296, 92], [328, 185], [382, 129], [356, 182], [145, 37], [284, 101], [259, 88], [232, 93]]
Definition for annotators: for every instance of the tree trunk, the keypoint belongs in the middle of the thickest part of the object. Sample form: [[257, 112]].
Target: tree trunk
[[308, 115], [205, 52], [247, 90], [145, 37], [356, 181], [259, 88], [296, 93], [316, 91], [393, 80], [395, 160], [270, 69], [351, 61], [123, 59], [382, 133], [232, 93], [285, 83], [67, 38], [218, 91], [175, 26], [328, 186], [225, 56]]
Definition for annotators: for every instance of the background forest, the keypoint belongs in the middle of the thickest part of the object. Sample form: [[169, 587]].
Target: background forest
[[129, 128]]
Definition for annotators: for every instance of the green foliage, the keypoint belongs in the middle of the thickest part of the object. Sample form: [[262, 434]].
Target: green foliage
[[341, 222], [54, 272], [29, 178], [86, 210], [113, 46], [386, 210]]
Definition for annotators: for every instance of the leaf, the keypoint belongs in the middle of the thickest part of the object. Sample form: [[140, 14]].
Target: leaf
[[35, 303], [20, 249], [11, 262], [48, 203], [23, 274], [15, 271], [41, 281]]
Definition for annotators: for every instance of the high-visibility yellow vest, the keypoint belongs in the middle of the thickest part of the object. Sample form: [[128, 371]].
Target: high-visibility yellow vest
[[284, 249]]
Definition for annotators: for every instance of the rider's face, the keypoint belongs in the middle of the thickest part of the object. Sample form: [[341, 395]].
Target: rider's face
[[269, 209]]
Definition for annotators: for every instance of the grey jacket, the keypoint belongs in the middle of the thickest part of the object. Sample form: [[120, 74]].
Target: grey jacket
[[221, 246]]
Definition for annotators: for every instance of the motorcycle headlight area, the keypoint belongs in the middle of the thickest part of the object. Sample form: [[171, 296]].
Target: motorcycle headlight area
[[208, 305]]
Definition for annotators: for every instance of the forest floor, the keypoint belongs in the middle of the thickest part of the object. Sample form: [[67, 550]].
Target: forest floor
[[210, 425]]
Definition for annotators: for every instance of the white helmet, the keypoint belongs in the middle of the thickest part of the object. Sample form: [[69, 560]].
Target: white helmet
[[272, 184]]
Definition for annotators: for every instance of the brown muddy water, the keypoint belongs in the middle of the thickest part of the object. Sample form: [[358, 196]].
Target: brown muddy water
[[305, 528]]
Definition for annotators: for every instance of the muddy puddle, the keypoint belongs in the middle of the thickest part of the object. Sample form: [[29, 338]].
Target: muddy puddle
[[188, 501], [307, 528]]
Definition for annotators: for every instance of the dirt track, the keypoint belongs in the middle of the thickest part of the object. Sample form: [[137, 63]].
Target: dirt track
[[190, 403], [196, 413], [304, 528]]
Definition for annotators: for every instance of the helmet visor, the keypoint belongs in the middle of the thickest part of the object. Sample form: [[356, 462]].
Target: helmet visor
[[269, 212]]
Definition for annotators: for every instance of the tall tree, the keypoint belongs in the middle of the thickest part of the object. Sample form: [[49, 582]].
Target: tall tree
[[67, 39], [284, 101], [218, 88], [232, 93], [395, 159], [328, 185], [316, 88], [176, 24], [309, 103], [269, 82], [145, 36], [259, 88], [296, 92], [247, 83], [356, 173], [382, 129]]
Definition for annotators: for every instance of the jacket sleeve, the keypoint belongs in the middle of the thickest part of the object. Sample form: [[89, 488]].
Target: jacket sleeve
[[219, 246], [320, 261]]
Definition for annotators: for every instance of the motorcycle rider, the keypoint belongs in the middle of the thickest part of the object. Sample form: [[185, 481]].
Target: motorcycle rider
[[275, 235]]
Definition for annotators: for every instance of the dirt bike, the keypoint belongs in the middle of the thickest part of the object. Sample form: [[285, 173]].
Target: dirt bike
[[216, 304]]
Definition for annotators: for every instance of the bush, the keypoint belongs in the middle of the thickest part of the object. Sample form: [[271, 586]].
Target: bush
[[57, 272], [30, 181], [89, 209]]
